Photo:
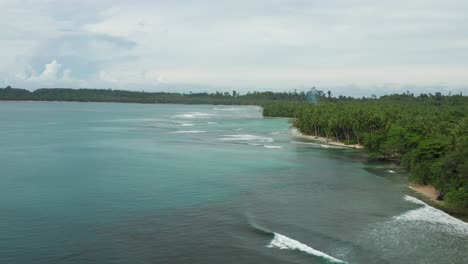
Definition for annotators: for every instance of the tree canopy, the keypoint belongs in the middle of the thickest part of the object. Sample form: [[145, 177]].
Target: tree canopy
[[428, 134]]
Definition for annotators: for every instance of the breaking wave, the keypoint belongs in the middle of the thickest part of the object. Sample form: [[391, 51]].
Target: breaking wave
[[246, 137], [189, 131], [272, 147], [195, 115], [228, 109], [434, 216], [284, 242]]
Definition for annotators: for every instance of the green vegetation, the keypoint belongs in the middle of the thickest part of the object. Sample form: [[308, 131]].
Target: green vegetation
[[427, 134], [102, 95]]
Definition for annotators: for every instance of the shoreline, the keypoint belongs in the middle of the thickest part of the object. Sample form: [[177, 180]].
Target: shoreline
[[428, 191], [429, 194], [324, 140]]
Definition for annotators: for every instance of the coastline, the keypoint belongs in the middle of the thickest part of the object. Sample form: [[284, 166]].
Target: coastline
[[427, 191], [324, 140], [429, 194]]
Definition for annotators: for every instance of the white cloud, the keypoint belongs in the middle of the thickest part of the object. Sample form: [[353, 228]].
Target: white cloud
[[244, 44], [51, 71]]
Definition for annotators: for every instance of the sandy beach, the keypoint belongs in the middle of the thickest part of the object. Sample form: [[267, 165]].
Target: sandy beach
[[324, 140], [427, 191]]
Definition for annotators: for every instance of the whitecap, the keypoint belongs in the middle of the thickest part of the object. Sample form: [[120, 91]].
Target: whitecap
[[186, 124], [212, 123], [414, 200], [391, 171], [189, 131], [195, 115], [433, 216], [185, 116], [284, 242], [246, 137], [228, 109], [272, 147], [275, 133]]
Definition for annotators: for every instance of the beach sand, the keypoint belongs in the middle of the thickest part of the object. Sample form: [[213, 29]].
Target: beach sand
[[324, 140], [427, 191]]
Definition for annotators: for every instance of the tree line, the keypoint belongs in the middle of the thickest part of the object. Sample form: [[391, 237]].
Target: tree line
[[427, 134], [109, 95]]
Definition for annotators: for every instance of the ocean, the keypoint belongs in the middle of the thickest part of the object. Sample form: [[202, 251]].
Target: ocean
[[136, 183]]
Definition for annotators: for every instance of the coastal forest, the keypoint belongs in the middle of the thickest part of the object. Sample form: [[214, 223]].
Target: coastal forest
[[425, 133]]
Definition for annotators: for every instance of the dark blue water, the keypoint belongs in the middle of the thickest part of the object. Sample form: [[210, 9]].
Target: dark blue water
[[130, 183]]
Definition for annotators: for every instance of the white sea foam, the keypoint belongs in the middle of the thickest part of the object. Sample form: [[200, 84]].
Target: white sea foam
[[391, 171], [307, 143], [414, 200], [239, 129], [212, 123], [189, 131], [272, 147], [317, 145], [246, 137], [434, 216], [195, 115], [186, 124], [275, 133], [228, 109], [284, 242]]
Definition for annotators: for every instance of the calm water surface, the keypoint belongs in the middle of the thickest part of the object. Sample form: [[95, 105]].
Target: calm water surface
[[131, 183]]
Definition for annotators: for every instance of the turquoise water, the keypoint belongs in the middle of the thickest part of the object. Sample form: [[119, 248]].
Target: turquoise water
[[131, 183]]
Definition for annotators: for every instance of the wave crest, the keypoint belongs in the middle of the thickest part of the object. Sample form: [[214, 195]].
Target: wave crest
[[195, 115], [284, 242], [189, 131], [272, 147], [434, 216], [246, 137]]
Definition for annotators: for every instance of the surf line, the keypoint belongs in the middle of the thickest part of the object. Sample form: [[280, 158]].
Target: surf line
[[284, 242]]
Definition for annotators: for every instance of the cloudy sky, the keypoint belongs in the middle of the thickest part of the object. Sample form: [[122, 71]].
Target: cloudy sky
[[350, 47]]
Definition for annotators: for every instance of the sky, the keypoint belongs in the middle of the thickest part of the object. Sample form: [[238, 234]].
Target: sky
[[352, 47]]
